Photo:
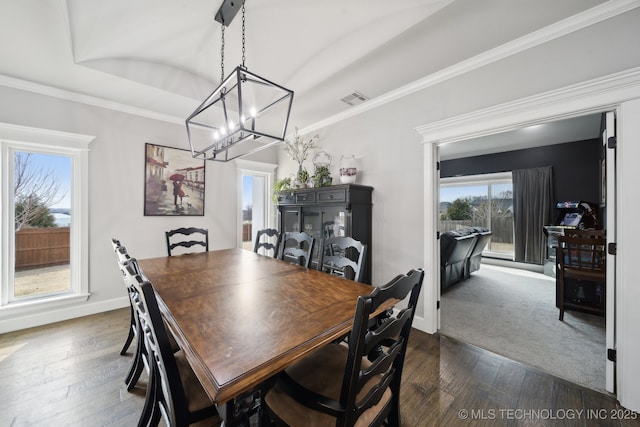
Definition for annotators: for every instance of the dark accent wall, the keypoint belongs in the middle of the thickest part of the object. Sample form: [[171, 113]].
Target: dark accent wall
[[576, 167]]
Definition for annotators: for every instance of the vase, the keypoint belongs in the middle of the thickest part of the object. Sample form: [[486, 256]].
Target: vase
[[348, 169]]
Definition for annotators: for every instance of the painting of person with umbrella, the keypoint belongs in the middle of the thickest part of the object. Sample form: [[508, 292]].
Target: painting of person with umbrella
[[173, 172], [177, 180]]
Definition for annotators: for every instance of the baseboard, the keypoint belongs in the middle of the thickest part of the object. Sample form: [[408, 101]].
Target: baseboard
[[38, 319]]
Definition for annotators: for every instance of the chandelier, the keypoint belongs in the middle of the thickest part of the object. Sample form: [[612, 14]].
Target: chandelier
[[245, 114]]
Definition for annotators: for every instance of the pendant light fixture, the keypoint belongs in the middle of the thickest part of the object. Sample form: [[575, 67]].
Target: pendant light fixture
[[245, 114]]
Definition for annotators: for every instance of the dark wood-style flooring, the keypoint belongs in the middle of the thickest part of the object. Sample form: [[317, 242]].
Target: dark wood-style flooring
[[71, 374]]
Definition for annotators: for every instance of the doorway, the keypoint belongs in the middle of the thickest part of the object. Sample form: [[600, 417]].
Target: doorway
[[488, 143], [255, 205]]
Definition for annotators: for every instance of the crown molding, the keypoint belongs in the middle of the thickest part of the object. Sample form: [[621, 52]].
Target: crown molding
[[569, 25], [592, 96], [554, 31], [95, 101]]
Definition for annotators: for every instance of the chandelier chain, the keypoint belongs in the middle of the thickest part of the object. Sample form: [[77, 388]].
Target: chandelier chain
[[243, 38], [222, 57]]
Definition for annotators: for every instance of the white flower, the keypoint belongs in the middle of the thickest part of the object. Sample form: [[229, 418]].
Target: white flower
[[298, 148]]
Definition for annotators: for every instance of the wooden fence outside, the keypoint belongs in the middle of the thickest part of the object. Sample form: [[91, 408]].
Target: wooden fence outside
[[42, 247]]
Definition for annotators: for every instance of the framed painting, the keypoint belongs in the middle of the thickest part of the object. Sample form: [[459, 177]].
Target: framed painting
[[174, 182]]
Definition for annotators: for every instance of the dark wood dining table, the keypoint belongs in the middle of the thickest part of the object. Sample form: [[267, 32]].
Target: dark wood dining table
[[241, 317]]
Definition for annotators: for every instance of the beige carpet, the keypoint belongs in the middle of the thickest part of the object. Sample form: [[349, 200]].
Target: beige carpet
[[512, 313]]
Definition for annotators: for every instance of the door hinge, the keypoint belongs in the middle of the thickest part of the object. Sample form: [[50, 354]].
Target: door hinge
[[612, 249], [612, 354], [437, 166], [437, 235], [438, 305], [612, 142]]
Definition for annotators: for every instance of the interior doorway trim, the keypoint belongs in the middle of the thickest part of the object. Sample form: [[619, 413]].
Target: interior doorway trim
[[592, 96]]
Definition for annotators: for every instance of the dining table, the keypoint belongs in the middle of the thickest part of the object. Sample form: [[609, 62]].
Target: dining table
[[241, 317]]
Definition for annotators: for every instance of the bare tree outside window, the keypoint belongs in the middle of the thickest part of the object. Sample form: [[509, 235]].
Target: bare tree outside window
[[36, 188]]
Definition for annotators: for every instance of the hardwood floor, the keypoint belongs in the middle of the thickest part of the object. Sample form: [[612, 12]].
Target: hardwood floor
[[71, 374]]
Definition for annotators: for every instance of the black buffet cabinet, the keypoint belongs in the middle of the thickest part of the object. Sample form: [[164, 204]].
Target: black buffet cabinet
[[338, 210]]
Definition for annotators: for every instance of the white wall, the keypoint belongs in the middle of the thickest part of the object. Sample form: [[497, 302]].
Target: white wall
[[116, 186], [628, 291], [385, 142]]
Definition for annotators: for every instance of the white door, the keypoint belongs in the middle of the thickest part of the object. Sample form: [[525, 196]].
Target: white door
[[609, 172]]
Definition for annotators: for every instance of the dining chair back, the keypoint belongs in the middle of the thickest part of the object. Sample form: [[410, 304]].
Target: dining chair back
[[339, 384], [173, 391], [123, 257], [342, 256], [296, 247], [138, 362], [267, 240], [182, 238]]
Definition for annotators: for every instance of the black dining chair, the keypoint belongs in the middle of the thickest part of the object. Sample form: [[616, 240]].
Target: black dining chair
[[182, 237], [139, 353], [342, 256], [122, 257], [267, 239], [174, 393], [296, 247], [338, 385], [139, 361]]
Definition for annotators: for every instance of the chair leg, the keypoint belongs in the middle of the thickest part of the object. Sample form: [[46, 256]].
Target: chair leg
[[149, 408], [127, 343], [137, 365]]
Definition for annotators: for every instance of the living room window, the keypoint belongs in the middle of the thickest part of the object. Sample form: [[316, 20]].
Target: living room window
[[480, 201]]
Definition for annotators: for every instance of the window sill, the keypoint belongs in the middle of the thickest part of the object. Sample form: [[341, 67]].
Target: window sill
[[48, 303]]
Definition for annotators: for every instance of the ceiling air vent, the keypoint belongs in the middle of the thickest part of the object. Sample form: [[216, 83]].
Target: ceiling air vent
[[354, 98]]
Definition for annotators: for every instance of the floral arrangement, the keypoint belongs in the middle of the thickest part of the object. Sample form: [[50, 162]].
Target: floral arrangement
[[298, 148]]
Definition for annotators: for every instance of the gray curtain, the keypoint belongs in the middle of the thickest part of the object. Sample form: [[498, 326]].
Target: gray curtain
[[532, 208]]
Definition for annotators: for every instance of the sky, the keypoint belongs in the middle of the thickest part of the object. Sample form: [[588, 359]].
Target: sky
[[60, 168]]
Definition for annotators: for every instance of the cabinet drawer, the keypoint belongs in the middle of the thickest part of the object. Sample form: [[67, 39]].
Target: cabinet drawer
[[309, 197], [286, 198], [332, 196]]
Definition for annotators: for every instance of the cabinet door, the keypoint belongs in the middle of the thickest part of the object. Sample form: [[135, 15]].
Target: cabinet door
[[323, 222], [290, 219]]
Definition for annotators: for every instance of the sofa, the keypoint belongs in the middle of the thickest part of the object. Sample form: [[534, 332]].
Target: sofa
[[461, 253]]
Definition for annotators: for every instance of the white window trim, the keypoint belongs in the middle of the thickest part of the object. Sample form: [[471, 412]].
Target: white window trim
[[480, 179], [75, 146], [268, 170]]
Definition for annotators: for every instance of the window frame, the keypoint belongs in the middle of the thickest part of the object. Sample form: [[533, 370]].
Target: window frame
[[488, 179], [75, 146]]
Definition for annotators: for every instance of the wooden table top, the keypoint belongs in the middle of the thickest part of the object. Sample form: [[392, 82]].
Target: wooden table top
[[241, 317]]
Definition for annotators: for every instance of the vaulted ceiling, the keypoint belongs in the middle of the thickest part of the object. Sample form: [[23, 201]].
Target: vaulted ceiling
[[163, 56]]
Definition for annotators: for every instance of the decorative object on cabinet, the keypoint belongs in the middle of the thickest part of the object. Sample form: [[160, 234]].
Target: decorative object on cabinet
[[322, 175], [244, 114], [302, 178], [338, 210], [174, 182], [299, 147], [348, 169], [581, 277], [281, 185]]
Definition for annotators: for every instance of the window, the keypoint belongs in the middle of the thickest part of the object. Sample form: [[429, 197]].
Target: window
[[480, 201], [44, 225], [256, 209]]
